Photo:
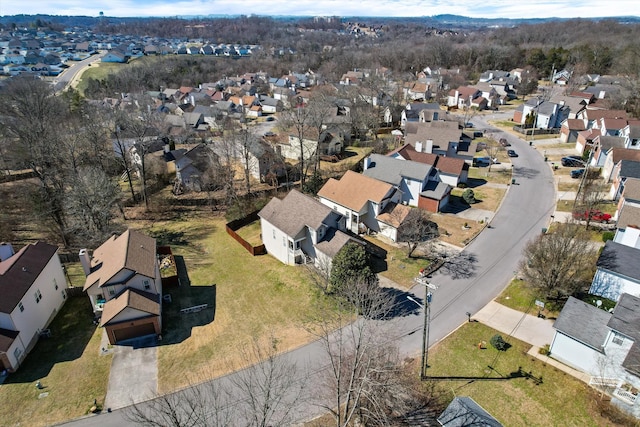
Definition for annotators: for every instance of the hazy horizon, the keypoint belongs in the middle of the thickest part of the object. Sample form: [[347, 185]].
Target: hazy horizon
[[364, 8]]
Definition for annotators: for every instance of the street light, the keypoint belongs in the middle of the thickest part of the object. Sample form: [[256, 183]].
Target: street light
[[425, 329]]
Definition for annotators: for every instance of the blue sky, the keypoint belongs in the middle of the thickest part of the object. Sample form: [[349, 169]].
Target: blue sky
[[475, 8]]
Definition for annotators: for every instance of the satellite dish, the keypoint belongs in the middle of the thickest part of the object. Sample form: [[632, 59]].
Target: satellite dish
[[599, 303]]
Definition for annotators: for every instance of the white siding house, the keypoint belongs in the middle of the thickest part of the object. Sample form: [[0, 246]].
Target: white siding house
[[32, 291]]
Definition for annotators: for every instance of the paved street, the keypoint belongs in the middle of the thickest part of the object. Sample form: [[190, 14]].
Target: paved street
[[494, 256]]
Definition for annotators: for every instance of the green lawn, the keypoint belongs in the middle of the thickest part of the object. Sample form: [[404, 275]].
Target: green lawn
[[499, 176], [98, 71], [68, 365], [247, 296], [548, 397], [519, 297]]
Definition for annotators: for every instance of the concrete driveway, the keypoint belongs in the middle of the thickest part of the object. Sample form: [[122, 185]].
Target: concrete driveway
[[134, 373]]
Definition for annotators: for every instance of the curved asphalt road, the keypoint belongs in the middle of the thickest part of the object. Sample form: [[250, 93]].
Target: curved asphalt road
[[496, 252]]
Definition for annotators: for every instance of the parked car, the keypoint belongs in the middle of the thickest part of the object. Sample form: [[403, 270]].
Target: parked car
[[484, 161], [595, 215], [512, 153], [468, 125], [572, 161], [577, 173], [504, 142]]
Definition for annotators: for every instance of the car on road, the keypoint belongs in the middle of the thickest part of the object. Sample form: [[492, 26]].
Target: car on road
[[595, 215], [270, 118], [512, 153], [269, 134], [572, 161], [468, 125], [503, 142]]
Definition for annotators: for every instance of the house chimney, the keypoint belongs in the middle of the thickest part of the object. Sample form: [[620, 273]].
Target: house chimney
[[419, 146], [367, 162], [192, 99], [428, 148], [85, 260], [6, 251]]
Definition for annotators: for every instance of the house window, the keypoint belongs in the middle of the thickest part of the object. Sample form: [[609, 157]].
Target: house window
[[112, 292], [17, 353], [146, 284], [21, 307], [55, 284], [274, 233], [38, 296], [618, 339], [290, 245], [64, 294]]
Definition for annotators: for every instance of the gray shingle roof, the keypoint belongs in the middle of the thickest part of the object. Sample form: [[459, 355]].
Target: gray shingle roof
[[463, 412], [583, 322], [620, 259], [294, 212], [629, 169], [436, 190], [392, 170], [626, 320]]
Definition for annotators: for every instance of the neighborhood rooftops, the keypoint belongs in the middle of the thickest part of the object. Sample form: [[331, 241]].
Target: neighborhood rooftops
[[131, 250], [354, 190], [133, 299], [20, 271]]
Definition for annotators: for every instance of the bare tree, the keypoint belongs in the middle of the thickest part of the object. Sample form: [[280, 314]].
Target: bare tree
[[362, 377], [417, 227], [300, 119], [592, 193], [271, 389], [199, 405], [493, 148], [248, 146], [559, 263]]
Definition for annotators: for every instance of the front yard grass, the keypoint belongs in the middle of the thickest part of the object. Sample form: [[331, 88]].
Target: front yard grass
[[549, 397], [69, 367], [489, 198], [247, 296], [498, 176]]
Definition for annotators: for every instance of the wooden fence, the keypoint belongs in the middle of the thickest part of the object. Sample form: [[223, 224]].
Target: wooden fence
[[238, 224]]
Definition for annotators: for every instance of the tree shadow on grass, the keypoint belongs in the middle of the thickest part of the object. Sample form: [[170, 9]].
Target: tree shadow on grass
[[71, 331]]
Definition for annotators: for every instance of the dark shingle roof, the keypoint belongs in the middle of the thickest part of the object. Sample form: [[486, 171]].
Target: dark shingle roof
[[392, 170], [626, 320], [629, 169], [620, 259], [583, 322], [294, 212], [463, 412], [20, 271]]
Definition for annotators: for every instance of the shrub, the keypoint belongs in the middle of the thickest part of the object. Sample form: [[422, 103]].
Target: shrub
[[607, 235], [469, 196], [498, 343]]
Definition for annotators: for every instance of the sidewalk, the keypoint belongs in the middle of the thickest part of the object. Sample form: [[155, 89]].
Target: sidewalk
[[525, 327]]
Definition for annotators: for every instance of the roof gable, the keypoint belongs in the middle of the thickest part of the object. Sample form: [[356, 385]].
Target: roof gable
[[134, 299], [131, 250]]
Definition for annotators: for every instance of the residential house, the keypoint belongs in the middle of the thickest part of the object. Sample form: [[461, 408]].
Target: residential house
[[602, 145], [360, 199], [466, 97], [412, 110], [299, 229], [193, 168], [569, 130], [617, 271], [32, 291], [291, 148], [604, 345], [124, 285], [490, 93], [622, 171], [631, 133], [592, 116], [451, 170], [550, 115], [574, 104], [264, 163], [614, 156], [628, 209], [418, 182], [464, 412], [115, 56]]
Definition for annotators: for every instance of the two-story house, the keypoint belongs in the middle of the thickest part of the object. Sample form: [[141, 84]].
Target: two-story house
[[617, 271], [32, 291], [299, 229], [124, 285], [360, 199]]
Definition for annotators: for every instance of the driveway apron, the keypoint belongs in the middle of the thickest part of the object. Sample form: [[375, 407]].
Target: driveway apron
[[134, 373]]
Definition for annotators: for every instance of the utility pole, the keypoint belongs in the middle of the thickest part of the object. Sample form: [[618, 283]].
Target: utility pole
[[425, 328]]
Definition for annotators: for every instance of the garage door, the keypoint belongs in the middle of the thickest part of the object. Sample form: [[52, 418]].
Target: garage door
[[134, 332]]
